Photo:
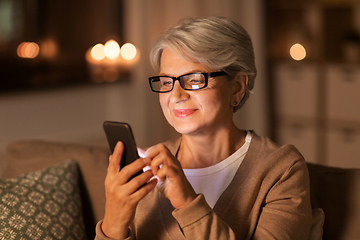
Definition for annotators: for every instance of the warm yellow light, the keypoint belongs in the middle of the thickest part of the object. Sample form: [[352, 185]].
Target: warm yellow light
[[128, 51], [49, 48], [297, 52], [112, 49], [28, 50], [97, 52]]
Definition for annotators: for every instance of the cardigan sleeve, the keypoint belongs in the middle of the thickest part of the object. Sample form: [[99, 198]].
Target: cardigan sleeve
[[101, 236], [286, 211], [198, 221]]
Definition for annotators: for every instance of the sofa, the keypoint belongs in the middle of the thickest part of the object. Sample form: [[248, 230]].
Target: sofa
[[58, 188]]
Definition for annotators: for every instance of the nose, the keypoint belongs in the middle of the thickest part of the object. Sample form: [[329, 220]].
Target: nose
[[178, 94]]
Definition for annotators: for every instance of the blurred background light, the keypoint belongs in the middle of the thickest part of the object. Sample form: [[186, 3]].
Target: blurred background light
[[112, 49], [128, 51], [49, 48], [97, 52], [28, 50], [109, 62], [297, 52]]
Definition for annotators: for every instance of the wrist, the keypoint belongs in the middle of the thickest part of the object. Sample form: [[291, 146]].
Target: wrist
[[114, 232], [189, 200]]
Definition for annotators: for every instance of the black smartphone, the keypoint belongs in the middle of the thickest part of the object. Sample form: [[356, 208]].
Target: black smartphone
[[119, 131]]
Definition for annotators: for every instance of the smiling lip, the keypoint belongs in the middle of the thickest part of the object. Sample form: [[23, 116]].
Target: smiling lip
[[180, 113]]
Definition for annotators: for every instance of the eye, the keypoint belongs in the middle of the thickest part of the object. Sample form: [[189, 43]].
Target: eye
[[194, 81], [166, 82]]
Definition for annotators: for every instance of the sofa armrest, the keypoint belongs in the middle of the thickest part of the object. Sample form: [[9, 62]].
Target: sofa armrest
[[337, 192]]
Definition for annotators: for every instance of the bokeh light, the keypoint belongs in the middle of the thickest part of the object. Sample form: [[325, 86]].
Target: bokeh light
[[112, 49], [28, 50], [108, 62], [49, 48], [298, 52], [128, 51], [97, 52]]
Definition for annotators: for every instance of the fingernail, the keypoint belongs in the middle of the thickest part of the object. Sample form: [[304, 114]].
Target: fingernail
[[146, 168], [141, 152]]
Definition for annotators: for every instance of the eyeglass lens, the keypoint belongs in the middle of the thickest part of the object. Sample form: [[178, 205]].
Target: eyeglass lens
[[192, 81]]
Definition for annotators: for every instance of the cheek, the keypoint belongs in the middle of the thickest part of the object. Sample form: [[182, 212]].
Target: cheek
[[221, 93], [163, 100], [217, 100]]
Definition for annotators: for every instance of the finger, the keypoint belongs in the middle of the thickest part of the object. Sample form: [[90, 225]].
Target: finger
[[145, 189], [155, 165], [155, 150], [138, 182], [159, 154], [170, 170], [163, 159], [164, 173], [130, 170], [115, 158]]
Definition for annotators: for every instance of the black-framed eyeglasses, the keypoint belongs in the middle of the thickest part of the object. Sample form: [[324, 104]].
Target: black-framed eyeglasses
[[189, 81]]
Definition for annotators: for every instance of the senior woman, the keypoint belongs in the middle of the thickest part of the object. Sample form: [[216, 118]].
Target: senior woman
[[216, 181]]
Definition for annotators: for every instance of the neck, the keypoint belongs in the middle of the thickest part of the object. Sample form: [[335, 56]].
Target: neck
[[207, 150]]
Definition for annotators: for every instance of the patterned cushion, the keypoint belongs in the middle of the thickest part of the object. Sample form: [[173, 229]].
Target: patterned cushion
[[42, 205]]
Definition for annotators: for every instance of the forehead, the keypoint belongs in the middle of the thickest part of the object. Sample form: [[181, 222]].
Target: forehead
[[173, 65]]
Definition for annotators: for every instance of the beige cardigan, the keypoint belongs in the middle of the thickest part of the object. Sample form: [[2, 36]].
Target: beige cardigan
[[269, 198]]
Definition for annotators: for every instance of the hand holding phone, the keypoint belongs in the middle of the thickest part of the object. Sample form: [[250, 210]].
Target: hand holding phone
[[121, 202]]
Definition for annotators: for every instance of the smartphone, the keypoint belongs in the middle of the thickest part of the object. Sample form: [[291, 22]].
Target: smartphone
[[119, 131]]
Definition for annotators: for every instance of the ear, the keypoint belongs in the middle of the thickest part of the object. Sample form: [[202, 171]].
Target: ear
[[240, 83]]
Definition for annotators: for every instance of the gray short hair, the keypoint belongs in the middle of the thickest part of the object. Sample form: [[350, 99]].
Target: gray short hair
[[217, 42]]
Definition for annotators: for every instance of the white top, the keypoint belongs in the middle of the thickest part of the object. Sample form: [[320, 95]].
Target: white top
[[212, 181]]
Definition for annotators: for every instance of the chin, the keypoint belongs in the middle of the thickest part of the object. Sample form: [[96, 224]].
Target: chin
[[186, 128]]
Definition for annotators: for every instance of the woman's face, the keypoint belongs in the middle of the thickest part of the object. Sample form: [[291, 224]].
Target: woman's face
[[203, 111]]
